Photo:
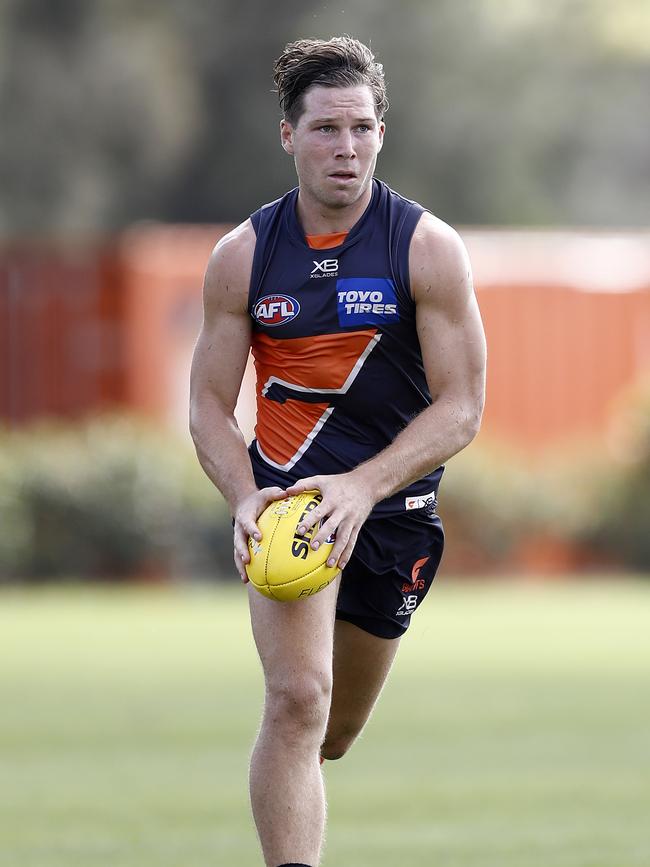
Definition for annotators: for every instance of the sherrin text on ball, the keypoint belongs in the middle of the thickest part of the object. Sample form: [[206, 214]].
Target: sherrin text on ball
[[283, 564]]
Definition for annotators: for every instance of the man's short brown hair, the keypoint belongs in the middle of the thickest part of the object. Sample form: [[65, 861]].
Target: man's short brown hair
[[338, 62]]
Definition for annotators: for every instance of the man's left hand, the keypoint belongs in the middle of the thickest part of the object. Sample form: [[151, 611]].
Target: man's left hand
[[346, 505]]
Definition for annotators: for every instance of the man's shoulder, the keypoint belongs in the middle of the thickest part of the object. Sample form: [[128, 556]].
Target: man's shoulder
[[265, 214], [235, 245], [431, 230], [438, 259], [240, 239], [394, 194], [229, 268], [429, 225]]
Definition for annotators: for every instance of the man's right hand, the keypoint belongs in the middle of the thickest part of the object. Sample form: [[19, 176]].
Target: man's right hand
[[246, 515]]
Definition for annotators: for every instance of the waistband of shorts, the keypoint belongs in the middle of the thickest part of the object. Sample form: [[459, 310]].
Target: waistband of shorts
[[420, 497]]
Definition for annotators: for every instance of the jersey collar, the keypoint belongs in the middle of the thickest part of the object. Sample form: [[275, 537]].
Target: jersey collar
[[297, 235]]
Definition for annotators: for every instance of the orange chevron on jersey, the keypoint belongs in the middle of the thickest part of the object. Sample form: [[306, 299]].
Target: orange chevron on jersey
[[299, 381]]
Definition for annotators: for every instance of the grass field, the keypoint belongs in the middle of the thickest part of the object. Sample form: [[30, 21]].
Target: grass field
[[514, 731]]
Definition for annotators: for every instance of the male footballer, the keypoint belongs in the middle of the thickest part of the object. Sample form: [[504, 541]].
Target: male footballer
[[358, 307]]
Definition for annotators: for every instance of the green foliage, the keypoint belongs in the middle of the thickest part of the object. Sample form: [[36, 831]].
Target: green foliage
[[494, 501], [116, 498], [502, 111], [486, 503], [622, 523], [112, 498], [591, 499]]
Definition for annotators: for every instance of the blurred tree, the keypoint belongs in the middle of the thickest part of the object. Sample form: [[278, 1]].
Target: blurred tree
[[503, 111]]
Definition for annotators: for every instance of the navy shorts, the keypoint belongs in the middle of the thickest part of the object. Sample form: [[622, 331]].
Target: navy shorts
[[393, 564], [390, 572]]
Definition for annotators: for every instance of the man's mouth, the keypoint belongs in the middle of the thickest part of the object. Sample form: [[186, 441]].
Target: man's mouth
[[344, 176]]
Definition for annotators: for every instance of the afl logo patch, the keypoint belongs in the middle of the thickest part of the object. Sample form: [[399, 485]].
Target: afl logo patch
[[276, 310]]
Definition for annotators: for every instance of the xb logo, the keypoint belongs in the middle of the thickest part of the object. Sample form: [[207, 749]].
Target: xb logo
[[408, 606], [326, 268]]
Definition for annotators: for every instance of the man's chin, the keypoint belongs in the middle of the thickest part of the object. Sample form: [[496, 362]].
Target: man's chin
[[341, 198]]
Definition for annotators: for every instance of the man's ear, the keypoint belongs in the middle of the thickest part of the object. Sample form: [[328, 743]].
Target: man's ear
[[382, 130], [286, 136]]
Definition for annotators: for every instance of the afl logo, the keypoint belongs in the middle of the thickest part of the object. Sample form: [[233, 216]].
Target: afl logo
[[276, 310]]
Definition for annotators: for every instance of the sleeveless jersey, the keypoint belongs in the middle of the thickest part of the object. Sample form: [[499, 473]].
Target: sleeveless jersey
[[337, 356]]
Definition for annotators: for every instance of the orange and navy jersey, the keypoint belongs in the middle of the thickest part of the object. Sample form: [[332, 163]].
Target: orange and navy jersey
[[337, 356]]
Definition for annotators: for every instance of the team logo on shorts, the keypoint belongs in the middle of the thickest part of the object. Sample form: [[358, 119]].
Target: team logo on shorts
[[275, 310], [416, 583], [411, 589]]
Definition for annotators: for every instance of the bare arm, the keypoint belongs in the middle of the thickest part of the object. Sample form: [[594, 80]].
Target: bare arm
[[217, 369], [453, 352]]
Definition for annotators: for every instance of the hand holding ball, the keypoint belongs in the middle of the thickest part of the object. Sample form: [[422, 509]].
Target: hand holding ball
[[283, 564]]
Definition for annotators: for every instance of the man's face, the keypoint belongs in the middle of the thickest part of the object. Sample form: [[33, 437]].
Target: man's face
[[335, 143]]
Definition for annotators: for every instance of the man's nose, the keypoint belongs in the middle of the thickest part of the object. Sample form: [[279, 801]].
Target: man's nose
[[345, 145]]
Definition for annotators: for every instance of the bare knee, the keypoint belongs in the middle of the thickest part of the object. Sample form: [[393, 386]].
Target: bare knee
[[339, 739], [298, 707]]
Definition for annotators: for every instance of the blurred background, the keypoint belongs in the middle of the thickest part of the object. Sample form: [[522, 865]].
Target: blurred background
[[133, 136], [136, 134]]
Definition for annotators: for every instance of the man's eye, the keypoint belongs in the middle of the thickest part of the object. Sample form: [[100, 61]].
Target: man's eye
[[326, 128], [363, 128]]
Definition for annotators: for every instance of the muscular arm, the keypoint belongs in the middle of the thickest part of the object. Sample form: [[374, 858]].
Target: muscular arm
[[453, 352], [217, 369]]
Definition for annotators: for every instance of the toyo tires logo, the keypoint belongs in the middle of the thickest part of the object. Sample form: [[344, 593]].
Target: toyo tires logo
[[276, 310]]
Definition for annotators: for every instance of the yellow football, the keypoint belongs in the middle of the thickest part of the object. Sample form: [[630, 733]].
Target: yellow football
[[283, 564]]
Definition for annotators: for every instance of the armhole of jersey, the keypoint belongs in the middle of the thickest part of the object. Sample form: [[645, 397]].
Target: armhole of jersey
[[257, 222], [402, 245]]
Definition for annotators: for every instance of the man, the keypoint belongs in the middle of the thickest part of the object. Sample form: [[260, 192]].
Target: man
[[370, 356]]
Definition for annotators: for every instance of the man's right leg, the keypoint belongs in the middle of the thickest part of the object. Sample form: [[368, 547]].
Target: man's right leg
[[294, 641]]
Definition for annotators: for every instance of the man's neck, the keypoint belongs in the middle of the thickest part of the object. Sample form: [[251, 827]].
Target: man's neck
[[317, 219]]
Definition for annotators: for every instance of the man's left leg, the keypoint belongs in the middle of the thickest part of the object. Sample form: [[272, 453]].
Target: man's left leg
[[361, 664], [383, 602]]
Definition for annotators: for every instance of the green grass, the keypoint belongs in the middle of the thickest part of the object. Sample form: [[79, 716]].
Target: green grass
[[514, 732]]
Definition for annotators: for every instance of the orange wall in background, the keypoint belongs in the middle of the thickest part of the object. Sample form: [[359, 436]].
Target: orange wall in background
[[559, 358], [162, 272], [61, 319], [567, 317]]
